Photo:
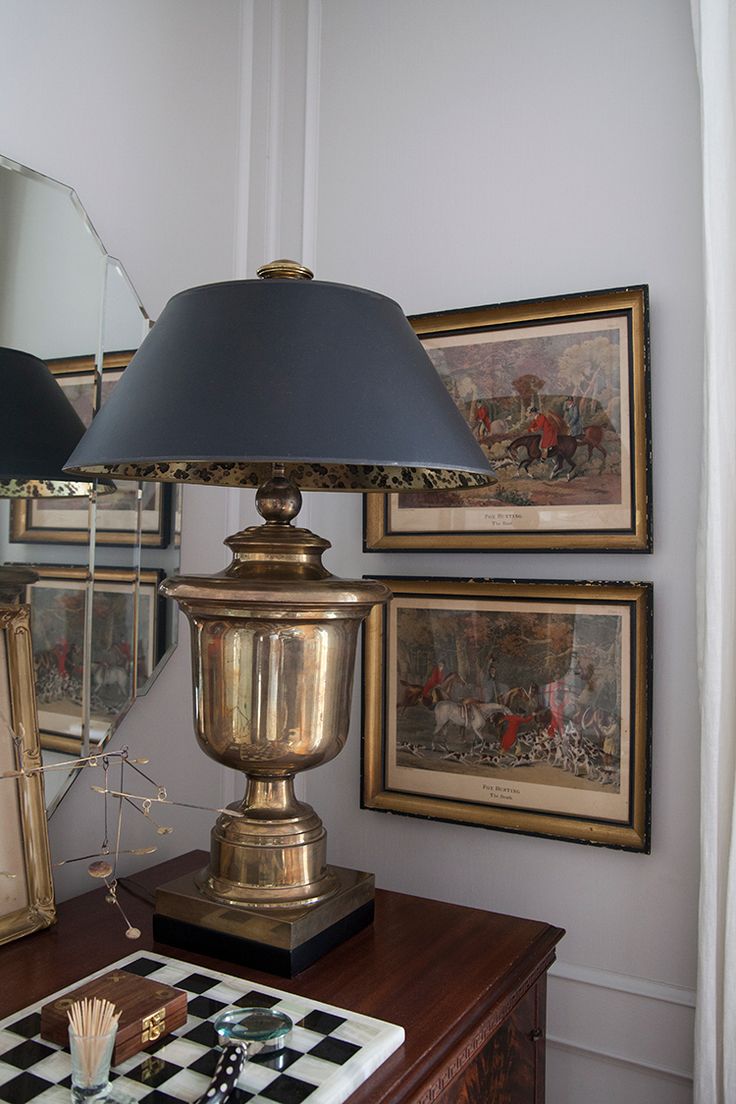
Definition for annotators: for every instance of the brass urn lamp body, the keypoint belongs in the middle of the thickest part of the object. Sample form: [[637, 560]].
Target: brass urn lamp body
[[273, 651], [279, 384]]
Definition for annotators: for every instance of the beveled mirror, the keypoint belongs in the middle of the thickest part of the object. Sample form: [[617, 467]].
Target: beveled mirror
[[101, 632]]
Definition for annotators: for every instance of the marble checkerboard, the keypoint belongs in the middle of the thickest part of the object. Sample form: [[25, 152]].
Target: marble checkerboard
[[331, 1051]]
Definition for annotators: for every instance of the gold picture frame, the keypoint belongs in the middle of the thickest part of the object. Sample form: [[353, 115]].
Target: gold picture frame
[[66, 520], [556, 392], [26, 884], [523, 707]]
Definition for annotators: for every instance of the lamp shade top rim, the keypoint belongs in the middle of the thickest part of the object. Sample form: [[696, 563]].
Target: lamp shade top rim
[[256, 286]]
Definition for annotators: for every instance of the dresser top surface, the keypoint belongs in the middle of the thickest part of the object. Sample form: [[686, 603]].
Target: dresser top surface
[[436, 969]]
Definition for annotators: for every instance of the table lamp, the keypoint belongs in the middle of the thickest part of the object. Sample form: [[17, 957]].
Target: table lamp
[[278, 383], [38, 429]]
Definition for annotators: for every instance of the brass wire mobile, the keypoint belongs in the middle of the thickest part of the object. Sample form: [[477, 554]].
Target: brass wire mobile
[[103, 863]]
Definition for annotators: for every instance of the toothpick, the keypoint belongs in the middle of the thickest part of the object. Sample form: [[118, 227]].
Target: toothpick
[[91, 1021]]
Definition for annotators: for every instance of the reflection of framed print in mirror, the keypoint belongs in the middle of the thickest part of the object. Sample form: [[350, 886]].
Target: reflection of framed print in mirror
[[66, 520], [26, 886], [65, 300], [518, 706], [127, 641], [556, 392]]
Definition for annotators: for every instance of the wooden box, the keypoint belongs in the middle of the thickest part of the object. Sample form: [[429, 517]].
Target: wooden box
[[148, 1009]]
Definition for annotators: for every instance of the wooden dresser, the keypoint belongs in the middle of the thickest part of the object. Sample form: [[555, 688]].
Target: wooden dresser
[[468, 986]]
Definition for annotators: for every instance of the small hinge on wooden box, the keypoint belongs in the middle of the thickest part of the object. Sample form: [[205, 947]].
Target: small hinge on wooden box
[[153, 1026]]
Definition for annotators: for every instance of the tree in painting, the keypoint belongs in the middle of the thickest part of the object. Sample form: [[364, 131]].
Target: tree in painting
[[528, 388]]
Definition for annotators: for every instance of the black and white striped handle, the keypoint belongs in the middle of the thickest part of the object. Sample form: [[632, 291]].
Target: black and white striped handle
[[225, 1077]]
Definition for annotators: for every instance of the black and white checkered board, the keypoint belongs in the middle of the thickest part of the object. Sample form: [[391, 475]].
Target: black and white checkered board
[[330, 1051]]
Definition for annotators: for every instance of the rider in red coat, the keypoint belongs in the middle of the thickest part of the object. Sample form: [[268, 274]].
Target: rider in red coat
[[436, 676], [548, 429], [482, 420], [510, 728]]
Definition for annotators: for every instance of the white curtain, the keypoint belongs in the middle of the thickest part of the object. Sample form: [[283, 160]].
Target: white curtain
[[715, 1032]]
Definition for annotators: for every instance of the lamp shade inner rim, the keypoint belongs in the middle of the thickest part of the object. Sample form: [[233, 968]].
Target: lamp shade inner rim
[[330, 476]]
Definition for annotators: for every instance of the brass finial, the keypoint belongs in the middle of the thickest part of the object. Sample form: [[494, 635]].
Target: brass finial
[[285, 270], [278, 500]]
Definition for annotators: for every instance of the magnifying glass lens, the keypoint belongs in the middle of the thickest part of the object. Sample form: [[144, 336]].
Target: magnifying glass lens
[[254, 1025]]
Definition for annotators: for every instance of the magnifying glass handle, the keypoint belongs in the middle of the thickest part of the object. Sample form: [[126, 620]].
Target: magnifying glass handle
[[225, 1077]]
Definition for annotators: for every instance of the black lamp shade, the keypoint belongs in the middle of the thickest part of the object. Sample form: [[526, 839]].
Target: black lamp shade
[[327, 379], [38, 429]]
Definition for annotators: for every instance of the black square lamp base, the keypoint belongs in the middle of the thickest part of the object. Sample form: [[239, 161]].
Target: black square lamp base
[[278, 942]]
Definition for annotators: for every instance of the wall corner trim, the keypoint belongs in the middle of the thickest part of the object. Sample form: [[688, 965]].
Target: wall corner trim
[[623, 983], [652, 1069]]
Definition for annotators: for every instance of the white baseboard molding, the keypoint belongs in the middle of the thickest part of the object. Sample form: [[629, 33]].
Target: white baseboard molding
[[624, 983], [649, 1068]]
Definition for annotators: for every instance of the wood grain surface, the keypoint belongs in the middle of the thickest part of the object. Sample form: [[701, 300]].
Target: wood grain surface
[[450, 975], [133, 998]]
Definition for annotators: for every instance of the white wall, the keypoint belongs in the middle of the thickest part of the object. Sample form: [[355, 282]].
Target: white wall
[[137, 106], [480, 152], [52, 270], [447, 155]]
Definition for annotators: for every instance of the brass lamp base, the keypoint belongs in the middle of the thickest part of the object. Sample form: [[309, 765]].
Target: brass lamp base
[[284, 942], [273, 646]]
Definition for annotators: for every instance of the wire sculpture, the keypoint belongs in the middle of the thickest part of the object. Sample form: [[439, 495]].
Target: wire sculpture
[[104, 862]]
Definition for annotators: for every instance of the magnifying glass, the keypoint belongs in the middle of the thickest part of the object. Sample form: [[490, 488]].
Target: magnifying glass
[[242, 1034]]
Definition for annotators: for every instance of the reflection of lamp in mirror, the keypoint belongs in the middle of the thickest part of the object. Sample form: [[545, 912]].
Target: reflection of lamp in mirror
[[64, 299], [38, 429], [277, 383]]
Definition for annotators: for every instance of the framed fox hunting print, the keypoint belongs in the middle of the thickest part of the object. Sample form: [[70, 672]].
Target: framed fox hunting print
[[518, 706], [556, 391]]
